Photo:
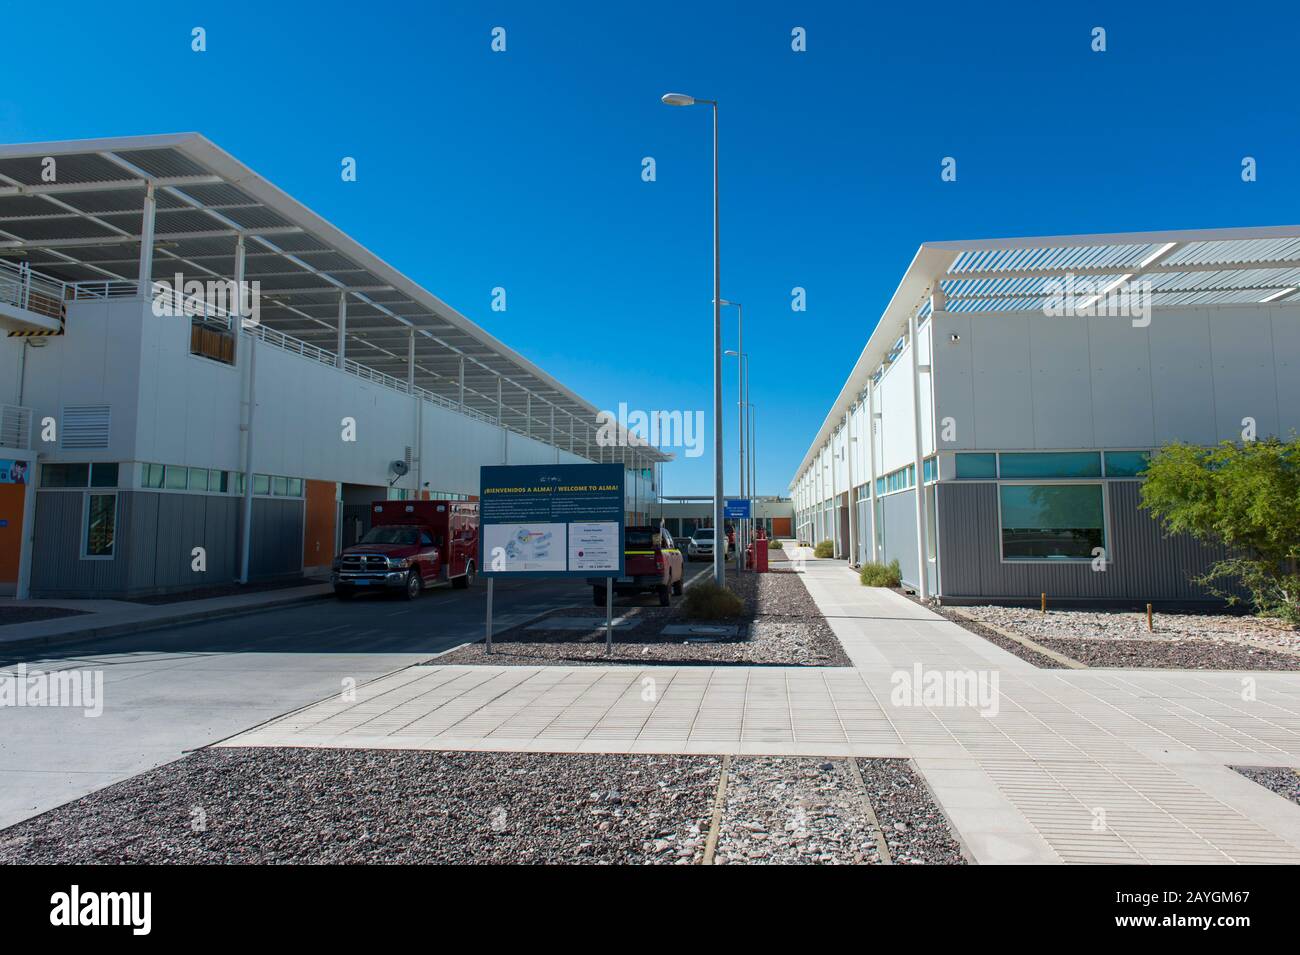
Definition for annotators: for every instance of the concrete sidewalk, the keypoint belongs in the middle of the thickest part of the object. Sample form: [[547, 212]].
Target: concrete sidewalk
[[1074, 765], [106, 618]]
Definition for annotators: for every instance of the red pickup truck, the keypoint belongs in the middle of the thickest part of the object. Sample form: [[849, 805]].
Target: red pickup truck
[[651, 562], [411, 545]]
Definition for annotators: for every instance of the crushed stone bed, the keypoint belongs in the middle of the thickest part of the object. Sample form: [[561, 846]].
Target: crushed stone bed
[[781, 627], [1183, 640], [329, 806], [1283, 780], [373, 806], [808, 810]]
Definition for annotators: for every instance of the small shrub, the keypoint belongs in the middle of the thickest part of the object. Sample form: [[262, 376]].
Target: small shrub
[[774, 544], [707, 601], [824, 549], [875, 574]]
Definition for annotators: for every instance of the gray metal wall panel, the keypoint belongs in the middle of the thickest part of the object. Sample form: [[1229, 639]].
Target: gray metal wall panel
[[57, 567], [1145, 565], [156, 535], [900, 533], [277, 537]]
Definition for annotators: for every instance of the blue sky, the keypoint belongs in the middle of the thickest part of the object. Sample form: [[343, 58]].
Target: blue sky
[[529, 161]]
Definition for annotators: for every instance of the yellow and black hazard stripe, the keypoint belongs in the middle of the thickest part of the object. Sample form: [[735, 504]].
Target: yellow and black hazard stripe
[[43, 332]]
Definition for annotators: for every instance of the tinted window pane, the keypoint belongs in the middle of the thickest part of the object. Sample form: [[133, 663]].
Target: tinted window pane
[[65, 475], [977, 465], [1062, 464], [1126, 463], [103, 475], [261, 484], [295, 487], [153, 475], [178, 478], [101, 525], [1051, 522], [217, 481], [198, 479]]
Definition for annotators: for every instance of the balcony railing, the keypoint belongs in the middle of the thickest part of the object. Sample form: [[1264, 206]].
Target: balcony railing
[[31, 291], [15, 427]]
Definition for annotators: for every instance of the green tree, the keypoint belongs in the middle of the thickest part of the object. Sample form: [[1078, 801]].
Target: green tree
[[1245, 497]]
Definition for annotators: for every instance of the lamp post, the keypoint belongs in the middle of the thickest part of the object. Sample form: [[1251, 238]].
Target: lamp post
[[753, 448], [719, 552], [742, 388]]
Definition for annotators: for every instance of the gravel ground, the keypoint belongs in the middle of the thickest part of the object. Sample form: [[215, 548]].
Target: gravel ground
[[1189, 640], [375, 806], [798, 810], [782, 627], [327, 806], [1283, 780]]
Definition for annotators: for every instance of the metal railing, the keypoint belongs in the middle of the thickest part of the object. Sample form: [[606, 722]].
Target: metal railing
[[15, 427], [32, 291]]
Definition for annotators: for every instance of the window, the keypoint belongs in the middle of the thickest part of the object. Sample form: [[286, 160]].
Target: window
[[295, 487], [217, 481], [100, 522], [974, 466], [151, 475], [208, 340], [261, 484], [177, 478], [198, 479], [1057, 464], [65, 475], [1126, 463], [280, 486], [79, 475], [1051, 521]]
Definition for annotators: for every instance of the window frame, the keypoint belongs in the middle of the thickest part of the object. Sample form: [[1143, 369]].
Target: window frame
[[1108, 555], [85, 525]]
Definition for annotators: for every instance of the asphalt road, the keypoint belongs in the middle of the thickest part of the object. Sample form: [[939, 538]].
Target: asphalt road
[[171, 690]]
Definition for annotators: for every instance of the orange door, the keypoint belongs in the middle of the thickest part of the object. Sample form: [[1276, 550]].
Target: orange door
[[318, 524], [11, 532]]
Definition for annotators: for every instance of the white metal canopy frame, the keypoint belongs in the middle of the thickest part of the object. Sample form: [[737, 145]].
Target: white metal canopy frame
[[1203, 267], [317, 285]]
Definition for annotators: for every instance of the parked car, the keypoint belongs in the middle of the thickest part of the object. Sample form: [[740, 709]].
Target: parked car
[[410, 545], [652, 562], [700, 545]]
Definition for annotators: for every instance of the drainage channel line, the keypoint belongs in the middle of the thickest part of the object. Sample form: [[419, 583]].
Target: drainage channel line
[[876, 831], [719, 803]]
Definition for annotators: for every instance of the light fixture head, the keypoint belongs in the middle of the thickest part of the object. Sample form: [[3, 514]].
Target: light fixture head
[[678, 99]]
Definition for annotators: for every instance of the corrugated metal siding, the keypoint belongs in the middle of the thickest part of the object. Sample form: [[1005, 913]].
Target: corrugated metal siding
[[156, 536], [1146, 565]]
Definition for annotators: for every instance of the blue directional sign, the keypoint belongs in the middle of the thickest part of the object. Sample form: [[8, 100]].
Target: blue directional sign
[[736, 508], [551, 520]]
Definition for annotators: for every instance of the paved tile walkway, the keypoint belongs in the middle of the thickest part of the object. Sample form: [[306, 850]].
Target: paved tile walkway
[[1075, 766]]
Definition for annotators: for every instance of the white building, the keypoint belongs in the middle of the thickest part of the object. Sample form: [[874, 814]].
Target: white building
[[1045, 371], [137, 429]]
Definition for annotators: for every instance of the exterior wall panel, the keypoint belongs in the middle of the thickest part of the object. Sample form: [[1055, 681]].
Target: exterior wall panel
[[1146, 565]]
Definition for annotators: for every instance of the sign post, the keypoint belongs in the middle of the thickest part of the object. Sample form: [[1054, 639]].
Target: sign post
[[552, 520], [737, 509]]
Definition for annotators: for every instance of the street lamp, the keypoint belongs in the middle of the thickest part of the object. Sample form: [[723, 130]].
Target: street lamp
[[719, 552], [742, 387]]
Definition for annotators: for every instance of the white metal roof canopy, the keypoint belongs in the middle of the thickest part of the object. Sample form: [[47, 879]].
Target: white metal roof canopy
[[86, 226], [1192, 267]]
